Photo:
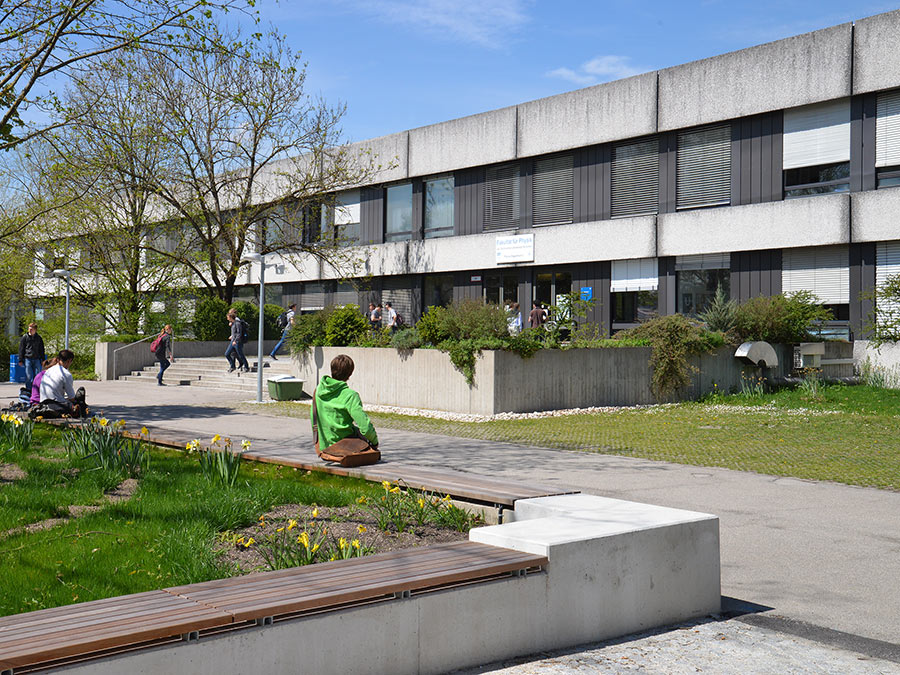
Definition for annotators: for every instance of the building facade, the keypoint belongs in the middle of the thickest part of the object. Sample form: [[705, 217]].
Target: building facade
[[767, 170]]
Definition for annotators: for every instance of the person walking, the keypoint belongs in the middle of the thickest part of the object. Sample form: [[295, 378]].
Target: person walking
[[31, 354], [538, 316], [513, 319], [288, 323], [163, 352], [391, 317], [236, 343], [375, 317]]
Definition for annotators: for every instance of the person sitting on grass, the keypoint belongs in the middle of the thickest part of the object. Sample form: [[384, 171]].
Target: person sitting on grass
[[58, 387], [339, 410], [36, 385]]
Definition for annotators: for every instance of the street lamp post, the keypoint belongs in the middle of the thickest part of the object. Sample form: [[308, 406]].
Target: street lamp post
[[261, 259], [65, 274]]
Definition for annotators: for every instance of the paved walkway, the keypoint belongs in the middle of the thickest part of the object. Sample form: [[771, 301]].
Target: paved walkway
[[818, 553]]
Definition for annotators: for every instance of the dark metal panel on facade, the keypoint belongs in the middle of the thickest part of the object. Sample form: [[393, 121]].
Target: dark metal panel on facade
[[526, 195], [863, 115], [418, 212], [371, 215], [589, 185], [466, 289], [862, 284], [468, 194], [756, 159], [667, 171], [595, 275], [755, 273], [666, 289]]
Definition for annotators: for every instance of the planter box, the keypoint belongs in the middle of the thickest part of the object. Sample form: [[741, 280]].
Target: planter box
[[505, 382]]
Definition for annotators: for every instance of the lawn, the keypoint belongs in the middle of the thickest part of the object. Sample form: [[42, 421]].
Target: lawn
[[161, 536], [845, 434]]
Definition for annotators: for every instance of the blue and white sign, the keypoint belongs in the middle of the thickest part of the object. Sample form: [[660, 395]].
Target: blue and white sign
[[515, 248], [587, 292]]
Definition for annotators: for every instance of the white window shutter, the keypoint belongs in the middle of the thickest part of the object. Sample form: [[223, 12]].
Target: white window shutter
[[703, 261], [823, 271], [346, 208], [641, 274], [553, 190], [887, 129], [887, 264], [817, 134], [635, 178]]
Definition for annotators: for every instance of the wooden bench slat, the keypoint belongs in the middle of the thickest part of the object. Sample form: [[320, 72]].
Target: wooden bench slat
[[67, 610]]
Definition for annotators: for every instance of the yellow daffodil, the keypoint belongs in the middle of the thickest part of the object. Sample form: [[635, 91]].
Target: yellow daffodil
[[280, 529], [216, 438], [262, 517], [446, 498], [395, 490], [386, 485], [315, 548], [291, 525], [315, 513], [119, 424], [361, 528], [245, 444], [303, 539], [355, 544], [361, 500], [145, 431], [103, 422], [342, 543], [249, 542], [421, 503]]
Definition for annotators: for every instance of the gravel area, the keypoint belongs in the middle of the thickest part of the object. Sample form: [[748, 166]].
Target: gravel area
[[720, 647]]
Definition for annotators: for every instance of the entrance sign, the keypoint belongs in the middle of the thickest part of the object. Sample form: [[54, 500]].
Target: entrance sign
[[515, 248], [587, 292]]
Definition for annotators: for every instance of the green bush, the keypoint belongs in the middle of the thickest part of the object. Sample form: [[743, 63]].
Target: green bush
[[672, 339], [308, 331], [721, 314], [270, 321], [474, 320], [526, 343], [779, 318], [463, 353], [431, 327], [249, 313], [380, 338], [209, 319], [345, 326], [406, 339]]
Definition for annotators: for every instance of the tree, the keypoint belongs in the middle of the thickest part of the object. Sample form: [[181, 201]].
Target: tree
[[93, 173], [884, 322], [254, 160], [47, 42]]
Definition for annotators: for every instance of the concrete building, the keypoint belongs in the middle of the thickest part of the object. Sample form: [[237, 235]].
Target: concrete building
[[765, 170]]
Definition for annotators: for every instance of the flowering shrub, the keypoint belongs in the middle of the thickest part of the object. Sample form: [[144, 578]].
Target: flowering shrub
[[15, 433], [293, 544], [218, 461], [399, 507]]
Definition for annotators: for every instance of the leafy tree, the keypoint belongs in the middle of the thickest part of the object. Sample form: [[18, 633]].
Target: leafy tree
[[209, 319], [50, 42], [782, 319], [884, 322], [345, 326]]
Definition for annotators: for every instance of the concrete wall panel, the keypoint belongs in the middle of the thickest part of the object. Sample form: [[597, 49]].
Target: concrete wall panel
[[873, 215], [792, 72], [811, 221], [607, 112], [486, 138], [388, 157], [876, 57]]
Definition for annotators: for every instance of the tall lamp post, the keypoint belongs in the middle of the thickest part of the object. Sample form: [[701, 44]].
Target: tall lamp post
[[65, 274], [261, 259]]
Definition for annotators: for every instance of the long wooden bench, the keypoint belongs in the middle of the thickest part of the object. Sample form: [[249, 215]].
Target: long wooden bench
[[49, 637]]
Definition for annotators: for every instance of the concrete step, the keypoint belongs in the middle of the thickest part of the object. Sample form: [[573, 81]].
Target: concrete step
[[172, 381]]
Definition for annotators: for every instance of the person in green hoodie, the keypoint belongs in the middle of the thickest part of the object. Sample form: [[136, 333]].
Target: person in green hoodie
[[338, 407]]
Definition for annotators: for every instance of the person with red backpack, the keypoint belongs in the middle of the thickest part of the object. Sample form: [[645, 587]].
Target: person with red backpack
[[162, 347]]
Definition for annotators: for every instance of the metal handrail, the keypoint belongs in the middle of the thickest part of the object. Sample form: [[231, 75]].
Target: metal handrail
[[132, 344]]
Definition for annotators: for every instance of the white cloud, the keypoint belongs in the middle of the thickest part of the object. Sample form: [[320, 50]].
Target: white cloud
[[598, 69], [489, 24]]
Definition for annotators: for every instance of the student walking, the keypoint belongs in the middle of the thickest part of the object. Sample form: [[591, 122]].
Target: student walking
[[288, 321], [236, 342], [163, 352], [375, 317], [538, 316], [31, 354], [391, 317]]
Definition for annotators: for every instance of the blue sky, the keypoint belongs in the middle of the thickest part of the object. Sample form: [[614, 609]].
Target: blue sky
[[399, 64]]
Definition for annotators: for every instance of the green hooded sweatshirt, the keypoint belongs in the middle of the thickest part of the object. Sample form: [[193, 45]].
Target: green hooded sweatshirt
[[338, 409]]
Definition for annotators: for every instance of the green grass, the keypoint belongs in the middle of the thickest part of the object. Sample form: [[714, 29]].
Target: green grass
[[849, 434], [163, 536]]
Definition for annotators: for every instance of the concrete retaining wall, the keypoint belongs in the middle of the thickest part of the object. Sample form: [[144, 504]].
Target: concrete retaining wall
[[885, 360], [138, 356], [615, 568], [505, 382]]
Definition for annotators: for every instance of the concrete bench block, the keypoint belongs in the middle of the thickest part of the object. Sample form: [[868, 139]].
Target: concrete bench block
[[615, 567]]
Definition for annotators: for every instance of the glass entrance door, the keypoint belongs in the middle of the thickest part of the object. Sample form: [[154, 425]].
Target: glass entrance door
[[501, 288], [549, 285]]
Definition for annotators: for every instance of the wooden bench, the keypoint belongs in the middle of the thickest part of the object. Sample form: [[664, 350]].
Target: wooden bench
[[51, 637]]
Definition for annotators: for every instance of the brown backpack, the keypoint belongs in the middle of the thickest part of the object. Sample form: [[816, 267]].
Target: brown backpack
[[348, 452]]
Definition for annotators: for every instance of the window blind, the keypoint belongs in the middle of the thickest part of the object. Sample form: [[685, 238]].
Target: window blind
[[635, 179], [817, 134], [501, 197], [553, 188], [703, 261], [346, 294], [397, 291], [704, 167], [312, 297], [887, 129], [887, 264], [823, 271], [641, 274]]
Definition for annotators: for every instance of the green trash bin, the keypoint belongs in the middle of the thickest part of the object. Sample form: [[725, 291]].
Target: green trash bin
[[285, 388]]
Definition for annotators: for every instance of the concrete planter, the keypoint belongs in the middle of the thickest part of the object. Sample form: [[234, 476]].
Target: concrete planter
[[137, 356], [505, 382]]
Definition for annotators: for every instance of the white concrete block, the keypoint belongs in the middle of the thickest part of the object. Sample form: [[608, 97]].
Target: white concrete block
[[876, 59], [873, 215]]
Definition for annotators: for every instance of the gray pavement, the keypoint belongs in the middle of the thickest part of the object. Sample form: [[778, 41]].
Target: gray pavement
[[810, 553]]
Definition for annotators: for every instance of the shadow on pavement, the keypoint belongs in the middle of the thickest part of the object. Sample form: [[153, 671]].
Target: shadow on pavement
[[161, 413]]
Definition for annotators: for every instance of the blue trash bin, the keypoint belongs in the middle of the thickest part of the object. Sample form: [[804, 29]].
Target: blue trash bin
[[16, 369]]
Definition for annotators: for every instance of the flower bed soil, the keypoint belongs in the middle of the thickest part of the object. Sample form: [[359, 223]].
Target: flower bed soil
[[342, 521]]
